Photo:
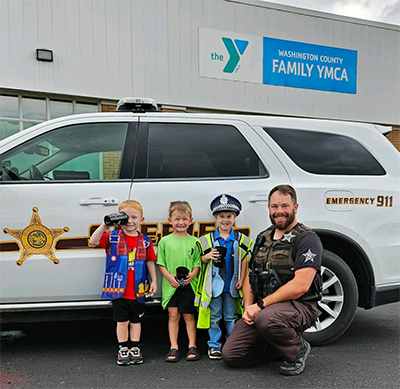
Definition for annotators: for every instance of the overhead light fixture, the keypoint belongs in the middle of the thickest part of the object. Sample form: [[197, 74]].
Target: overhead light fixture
[[44, 55]]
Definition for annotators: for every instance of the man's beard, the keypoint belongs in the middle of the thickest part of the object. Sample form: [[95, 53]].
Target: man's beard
[[286, 224]]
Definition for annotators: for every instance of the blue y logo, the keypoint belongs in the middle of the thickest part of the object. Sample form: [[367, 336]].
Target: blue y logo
[[234, 57]]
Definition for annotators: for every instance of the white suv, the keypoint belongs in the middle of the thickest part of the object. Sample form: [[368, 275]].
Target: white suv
[[61, 177]]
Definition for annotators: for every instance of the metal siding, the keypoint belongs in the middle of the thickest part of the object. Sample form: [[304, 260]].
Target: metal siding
[[31, 43], [16, 43], [207, 83], [113, 48], [161, 75], [110, 49], [59, 47], [196, 81], [86, 54], [149, 17], [99, 48], [5, 41], [72, 83], [138, 44], [125, 48], [174, 86]]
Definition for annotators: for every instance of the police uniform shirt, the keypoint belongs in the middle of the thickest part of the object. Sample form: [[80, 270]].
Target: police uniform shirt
[[307, 251]]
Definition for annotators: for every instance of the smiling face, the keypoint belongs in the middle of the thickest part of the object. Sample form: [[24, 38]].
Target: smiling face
[[282, 211], [134, 221], [180, 221], [225, 221]]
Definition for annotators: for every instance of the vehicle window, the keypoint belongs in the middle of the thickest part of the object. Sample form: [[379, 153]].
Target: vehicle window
[[180, 150], [79, 152], [321, 153]]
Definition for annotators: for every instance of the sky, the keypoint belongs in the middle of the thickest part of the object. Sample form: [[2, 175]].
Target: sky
[[387, 11]]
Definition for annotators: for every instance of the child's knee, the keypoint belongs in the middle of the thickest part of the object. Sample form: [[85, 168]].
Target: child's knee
[[123, 324], [188, 317], [174, 315]]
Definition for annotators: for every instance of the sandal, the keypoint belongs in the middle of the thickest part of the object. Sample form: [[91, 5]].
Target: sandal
[[193, 351], [175, 353]]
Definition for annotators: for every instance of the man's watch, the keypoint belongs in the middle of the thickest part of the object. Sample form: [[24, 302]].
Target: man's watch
[[260, 303]]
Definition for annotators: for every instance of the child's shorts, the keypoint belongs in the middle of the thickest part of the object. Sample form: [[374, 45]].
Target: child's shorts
[[183, 299], [127, 310]]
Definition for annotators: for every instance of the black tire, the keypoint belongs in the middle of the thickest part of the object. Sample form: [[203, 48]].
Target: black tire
[[339, 301]]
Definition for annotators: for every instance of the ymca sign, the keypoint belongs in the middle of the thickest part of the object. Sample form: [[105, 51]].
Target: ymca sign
[[279, 62]]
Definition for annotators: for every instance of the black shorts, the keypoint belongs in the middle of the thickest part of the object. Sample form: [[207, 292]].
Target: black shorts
[[127, 310], [183, 299]]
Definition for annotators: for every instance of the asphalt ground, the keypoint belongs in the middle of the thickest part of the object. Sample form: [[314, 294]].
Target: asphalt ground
[[81, 354]]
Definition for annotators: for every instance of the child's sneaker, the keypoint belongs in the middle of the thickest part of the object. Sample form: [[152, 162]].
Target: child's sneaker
[[123, 356], [214, 353], [136, 356]]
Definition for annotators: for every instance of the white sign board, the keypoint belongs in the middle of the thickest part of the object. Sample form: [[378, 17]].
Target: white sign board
[[230, 56]]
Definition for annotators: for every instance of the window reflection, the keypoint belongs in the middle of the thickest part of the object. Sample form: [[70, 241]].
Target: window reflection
[[60, 108], [86, 108], [33, 109], [9, 106], [8, 128]]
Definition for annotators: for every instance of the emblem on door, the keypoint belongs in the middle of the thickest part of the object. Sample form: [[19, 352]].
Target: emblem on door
[[36, 239]]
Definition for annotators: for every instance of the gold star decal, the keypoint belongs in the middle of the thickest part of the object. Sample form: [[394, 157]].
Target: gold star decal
[[37, 239]]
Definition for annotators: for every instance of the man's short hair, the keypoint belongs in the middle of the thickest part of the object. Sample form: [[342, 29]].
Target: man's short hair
[[285, 190], [180, 206]]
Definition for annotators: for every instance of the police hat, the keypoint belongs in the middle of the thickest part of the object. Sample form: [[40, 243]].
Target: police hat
[[225, 202]]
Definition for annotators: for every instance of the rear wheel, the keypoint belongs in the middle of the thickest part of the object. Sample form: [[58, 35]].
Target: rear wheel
[[339, 301]]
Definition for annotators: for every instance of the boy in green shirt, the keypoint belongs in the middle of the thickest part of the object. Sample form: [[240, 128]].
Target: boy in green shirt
[[175, 250]]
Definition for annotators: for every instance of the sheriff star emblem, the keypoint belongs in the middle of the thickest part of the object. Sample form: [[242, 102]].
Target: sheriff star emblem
[[288, 236], [36, 239], [309, 256]]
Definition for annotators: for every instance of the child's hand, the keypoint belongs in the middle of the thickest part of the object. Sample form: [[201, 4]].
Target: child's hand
[[213, 254], [239, 284], [153, 287], [189, 278], [172, 280]]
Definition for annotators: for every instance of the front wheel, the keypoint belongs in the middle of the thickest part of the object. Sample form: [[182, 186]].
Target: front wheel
[[338, 304]]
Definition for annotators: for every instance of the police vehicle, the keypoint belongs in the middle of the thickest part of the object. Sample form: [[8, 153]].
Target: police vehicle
[[60, 178]]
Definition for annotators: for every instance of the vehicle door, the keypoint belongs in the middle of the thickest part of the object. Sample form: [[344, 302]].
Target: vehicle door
[[193, 159], [57, 184]]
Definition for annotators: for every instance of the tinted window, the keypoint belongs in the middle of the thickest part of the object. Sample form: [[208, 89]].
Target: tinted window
[[79, 152], [322, 153], [179, 150]]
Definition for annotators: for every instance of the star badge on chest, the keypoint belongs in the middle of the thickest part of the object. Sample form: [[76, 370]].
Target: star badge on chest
[[288, 236]]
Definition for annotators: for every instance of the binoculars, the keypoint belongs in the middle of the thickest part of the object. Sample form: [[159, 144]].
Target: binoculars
[[222, 253], [114, 219], [182, 273]]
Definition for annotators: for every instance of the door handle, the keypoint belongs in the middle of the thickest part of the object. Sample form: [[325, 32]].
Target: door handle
[[99, 201], [255, 199]]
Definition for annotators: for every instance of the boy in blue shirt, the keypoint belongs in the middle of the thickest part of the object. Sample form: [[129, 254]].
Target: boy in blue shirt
[[221, 277]]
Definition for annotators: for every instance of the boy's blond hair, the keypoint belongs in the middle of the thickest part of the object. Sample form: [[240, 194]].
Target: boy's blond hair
[[180, 206], [131, 204]]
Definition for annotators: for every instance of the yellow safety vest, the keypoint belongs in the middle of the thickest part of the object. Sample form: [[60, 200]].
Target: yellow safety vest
[[203, 295]]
